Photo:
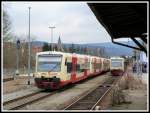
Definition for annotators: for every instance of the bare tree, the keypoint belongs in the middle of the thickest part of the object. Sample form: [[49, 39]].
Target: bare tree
[[7, 35]]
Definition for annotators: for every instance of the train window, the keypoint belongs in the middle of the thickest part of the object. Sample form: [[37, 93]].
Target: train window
[[85, 65], [50, 63], [98, 65], [78, 68], [93, 65], [49, 66], [88, 65], [116, 64], [69, 67]]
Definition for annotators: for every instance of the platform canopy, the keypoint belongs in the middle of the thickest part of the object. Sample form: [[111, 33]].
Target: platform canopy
[[123, 20]]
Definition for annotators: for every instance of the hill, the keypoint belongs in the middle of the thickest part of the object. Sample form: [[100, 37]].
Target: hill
[[110, 48]]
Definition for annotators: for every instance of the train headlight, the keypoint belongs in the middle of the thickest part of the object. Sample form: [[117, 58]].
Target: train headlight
[[42, 77], [36, 75]]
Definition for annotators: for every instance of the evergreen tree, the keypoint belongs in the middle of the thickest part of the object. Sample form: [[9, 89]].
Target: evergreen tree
[[50, 47], [78, 49], [72, 48], [85, 50], [65, 48], [45, 47]]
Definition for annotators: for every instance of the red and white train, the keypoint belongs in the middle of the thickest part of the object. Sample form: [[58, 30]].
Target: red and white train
[[57, 69]]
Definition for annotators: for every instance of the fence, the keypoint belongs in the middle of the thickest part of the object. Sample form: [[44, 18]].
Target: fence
[[11, 72]]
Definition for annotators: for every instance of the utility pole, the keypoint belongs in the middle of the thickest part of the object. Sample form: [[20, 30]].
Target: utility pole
[[137, 63], [52, 36], [29, 47]]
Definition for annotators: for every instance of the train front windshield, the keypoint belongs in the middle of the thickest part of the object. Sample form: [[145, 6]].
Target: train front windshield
[[116, 62], [49, 63]]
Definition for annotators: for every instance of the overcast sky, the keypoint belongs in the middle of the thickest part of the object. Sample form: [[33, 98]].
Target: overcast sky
[[74, 21]]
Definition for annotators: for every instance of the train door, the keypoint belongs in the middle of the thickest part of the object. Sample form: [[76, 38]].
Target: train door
[[86, 66], [94, 65], [102, 60], [100, 65], [73, 73], [91, 65], [104, 65]]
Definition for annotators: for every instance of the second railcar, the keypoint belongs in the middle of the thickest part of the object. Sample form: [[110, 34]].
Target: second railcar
[[117, 66]]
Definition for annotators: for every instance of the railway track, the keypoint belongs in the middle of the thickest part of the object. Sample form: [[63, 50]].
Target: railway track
[[92, 98], [20, 102]]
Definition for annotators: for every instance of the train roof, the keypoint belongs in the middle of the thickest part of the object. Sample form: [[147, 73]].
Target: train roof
[[59, 52], [49, 52], [116, 58], [62, 53]]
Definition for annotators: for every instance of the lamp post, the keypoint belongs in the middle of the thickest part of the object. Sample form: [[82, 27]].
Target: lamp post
[[29, 47], [52, 36]]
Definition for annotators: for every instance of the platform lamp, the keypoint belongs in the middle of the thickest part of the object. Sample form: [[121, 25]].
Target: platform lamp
[[52, 27], [29, 47]]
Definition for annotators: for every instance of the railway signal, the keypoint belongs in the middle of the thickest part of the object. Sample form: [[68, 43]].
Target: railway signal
[[18, 44], [18, 47]]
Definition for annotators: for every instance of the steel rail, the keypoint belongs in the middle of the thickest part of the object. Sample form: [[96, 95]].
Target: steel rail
[[105, 94], [82, 100], [16, 99], [25, 100]]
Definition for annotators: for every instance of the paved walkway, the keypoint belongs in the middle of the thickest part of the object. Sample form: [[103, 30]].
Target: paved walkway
[[143, 76]]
